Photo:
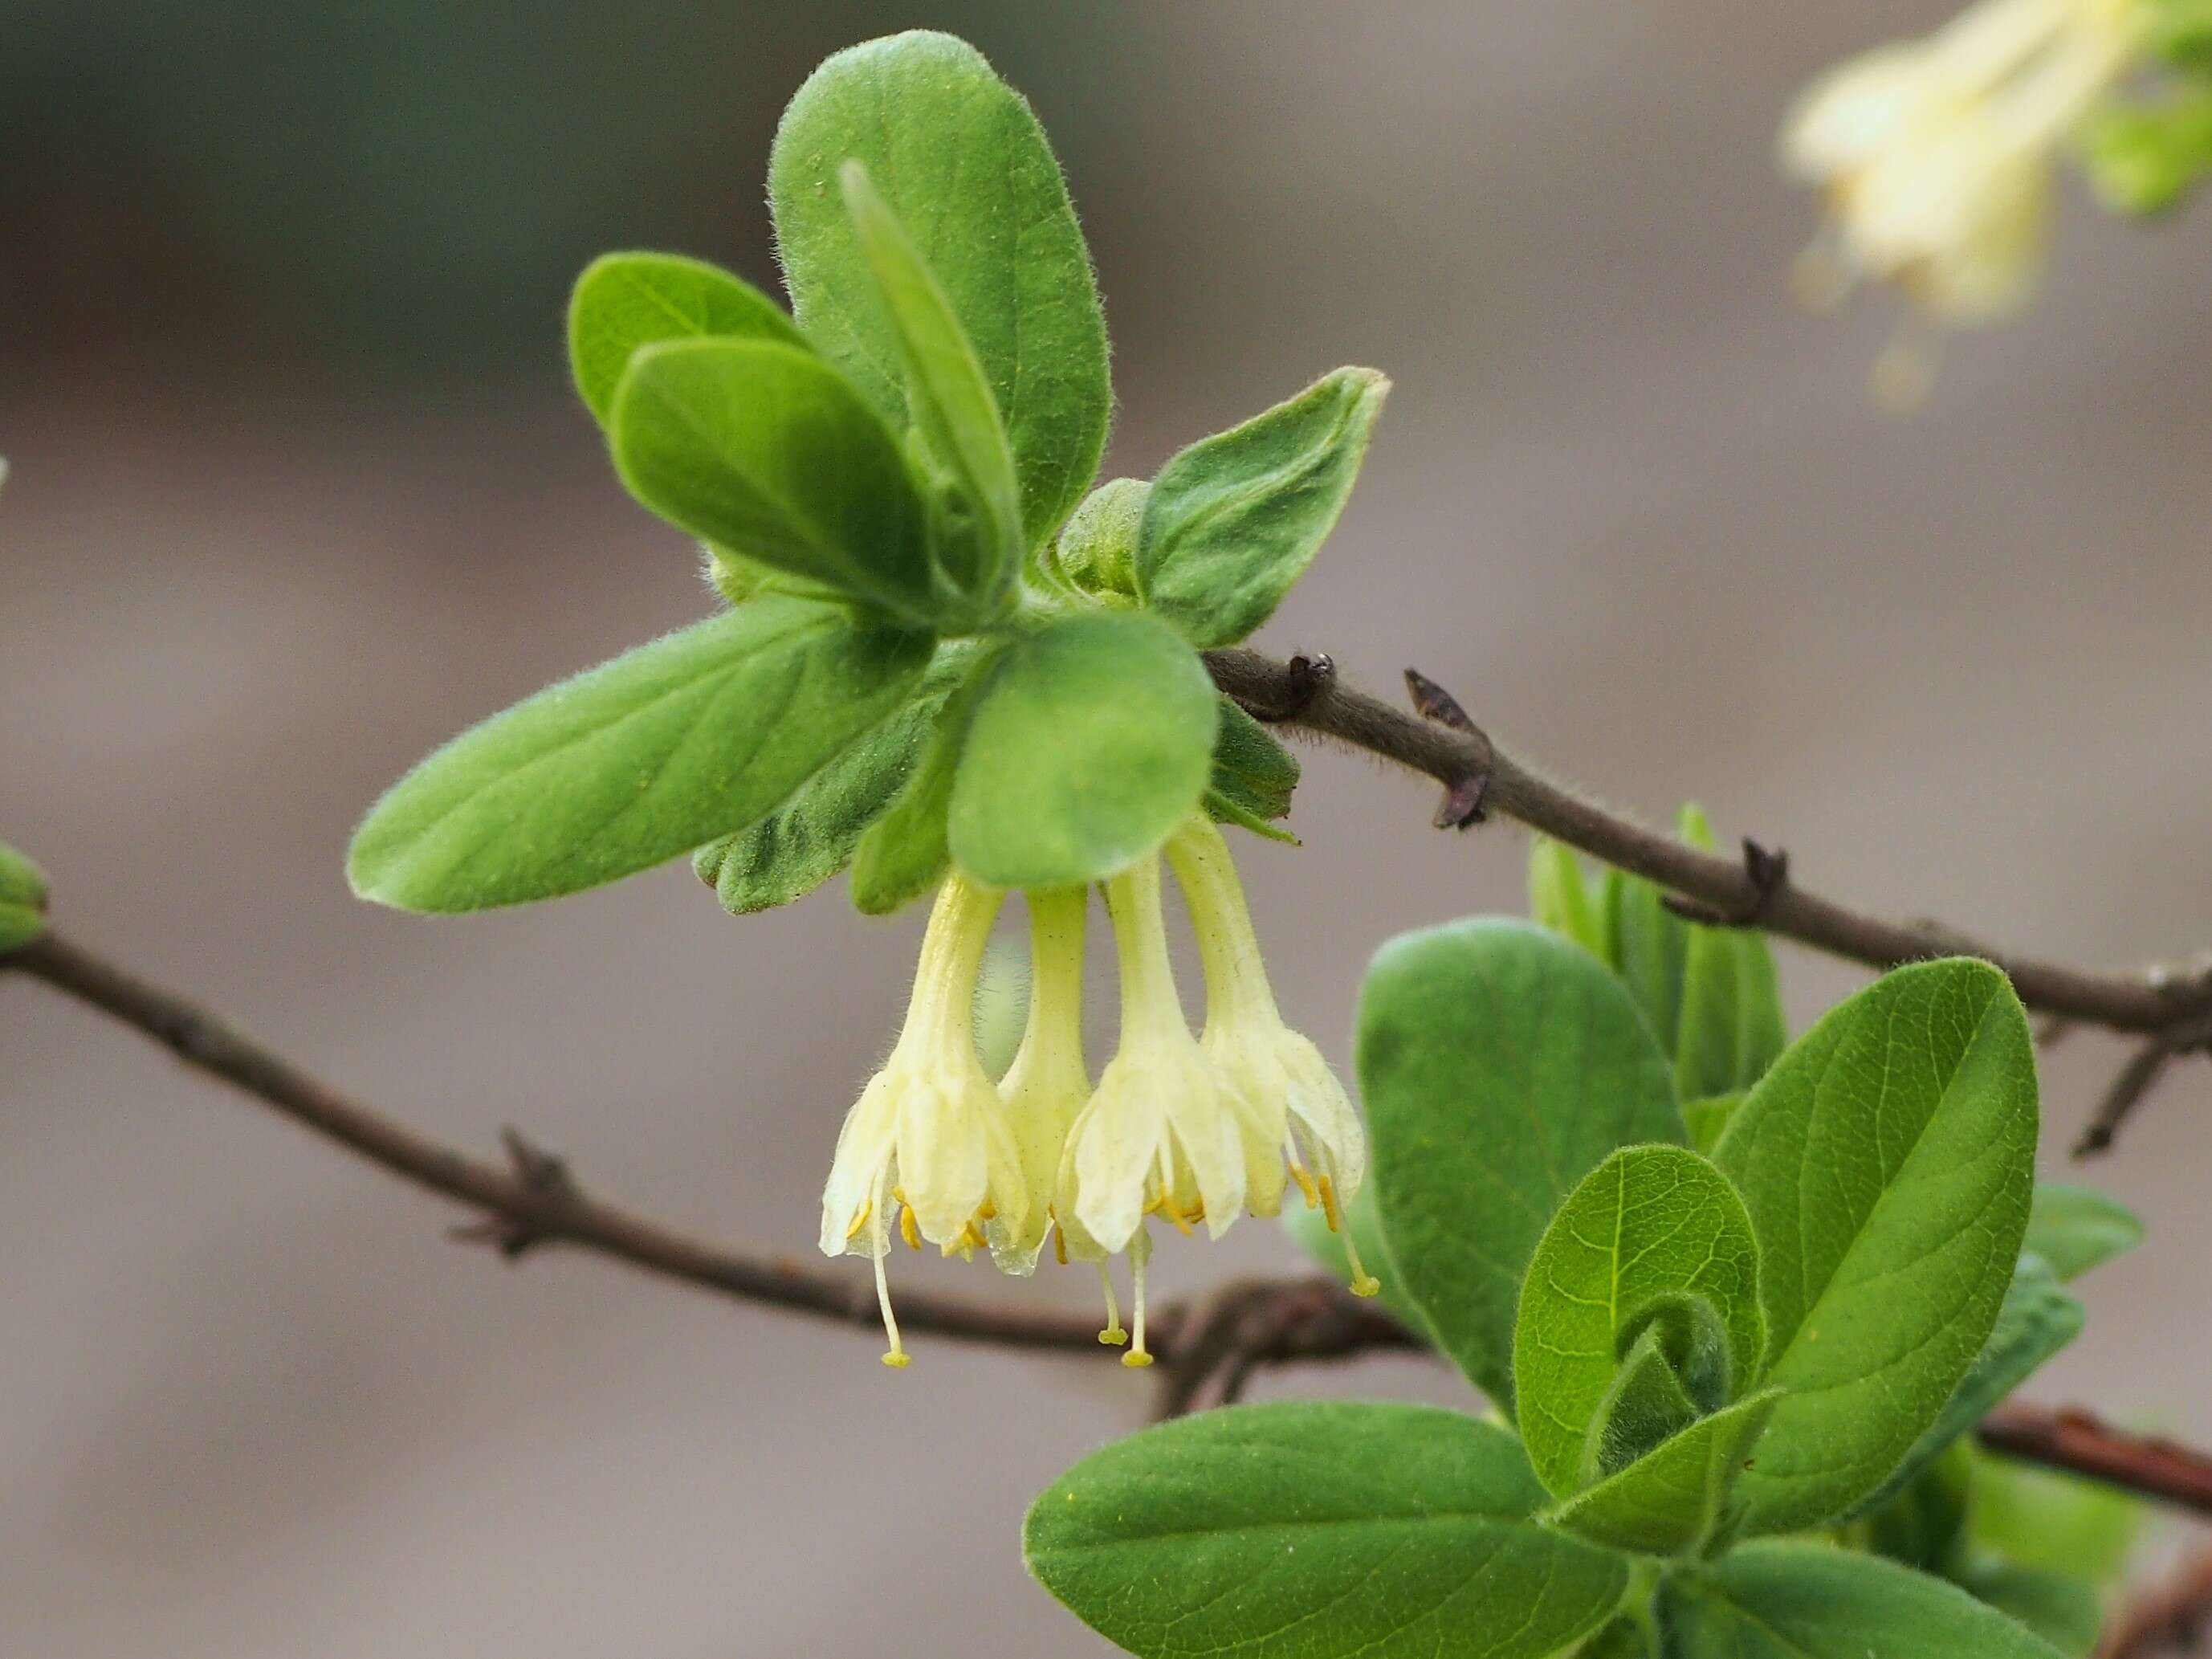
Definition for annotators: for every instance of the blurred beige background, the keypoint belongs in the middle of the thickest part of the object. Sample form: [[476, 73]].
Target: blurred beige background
[[298, 491]]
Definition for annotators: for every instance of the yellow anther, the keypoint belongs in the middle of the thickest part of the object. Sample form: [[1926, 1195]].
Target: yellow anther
[[908, 1230], [990, 1212], [1059, 1244], [1305, 1184], [970, 1238], [1328, 1205], [860, 1220]]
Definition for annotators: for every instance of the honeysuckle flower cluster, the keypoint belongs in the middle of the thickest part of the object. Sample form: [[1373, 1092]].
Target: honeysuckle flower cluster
[[1937, 158], [1192, 1130]]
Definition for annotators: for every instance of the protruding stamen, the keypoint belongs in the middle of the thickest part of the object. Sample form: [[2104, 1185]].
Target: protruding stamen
[[1113, 1336], [907, 1230], [1140, 1250], [1059, 1244], [1328, 1209], [1300, 1174], [879, 1239], [860, 1220]]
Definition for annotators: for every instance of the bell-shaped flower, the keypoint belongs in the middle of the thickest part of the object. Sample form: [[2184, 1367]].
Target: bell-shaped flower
[[1046, 1086], [1158, 1137], [1292, 1112], [928, 1138]]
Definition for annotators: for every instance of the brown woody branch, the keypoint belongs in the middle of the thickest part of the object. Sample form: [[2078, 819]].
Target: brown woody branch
[[1307, 693], [2172, 1617]]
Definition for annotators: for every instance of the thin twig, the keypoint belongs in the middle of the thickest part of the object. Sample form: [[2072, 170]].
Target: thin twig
[[1455, 754], [2080, 1442], [2170, 1617]]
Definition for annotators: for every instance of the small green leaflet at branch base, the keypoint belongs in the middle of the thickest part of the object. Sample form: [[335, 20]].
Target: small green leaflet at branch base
[[961, 160], [1477, 1142], [1233, 521], [948, 397], [1093, 738], [905, 852], [1254, 775], [1803, 1601], [623, 302], [1318, 1531], [1883, 1257], [23, 895], [1095, 552], [636, 761], [1648, 1225], [1673, 1500], [2078, 1228], [769, 452], [812, 836], [1709, 1119]]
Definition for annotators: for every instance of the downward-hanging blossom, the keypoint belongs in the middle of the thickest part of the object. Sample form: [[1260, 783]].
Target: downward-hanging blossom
[[929, 1136], [1047, 1083], [1292, 1112], [1157, 1137], [1937, 157]]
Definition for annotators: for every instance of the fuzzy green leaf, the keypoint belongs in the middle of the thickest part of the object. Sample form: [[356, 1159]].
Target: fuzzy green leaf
[[626, 300], [1709, 1119], [2035, 1320], [1559, 899], [1644, 1406], [2062, 1607], [1477, 1140], [1254, 775], [1673, 1500], [1096, 551], [1887, 1161], [1650, 1225], [961, 160], [1093, 740], [904, 854], [949, 400], [1233, 521], [1795, 1600], [1317, 1531], [636, 761], [769, 450], [812, 836], [2078, 1228]]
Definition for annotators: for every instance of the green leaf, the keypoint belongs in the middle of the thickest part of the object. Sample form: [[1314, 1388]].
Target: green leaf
[[1093, 740], [812, 836], [769, 452], [22, 893], [626, 300], [1796, 1601], [1728, 1025], [1559, 899], [1233, 521], [1709, 1118], [1652, 947], [2063, 1609], [1478, 1139], [636, 761], [2035, 1320], [1317, 1531], [948, 398], [1624, 1639], [1924, 1524], [1650, 1225], [1645, 1405], [1095, 552], [1673, 1500], [2041, 1518], [963, 162], [2078, 1228], [1254, 775], [904, 854], [1887, 1161]]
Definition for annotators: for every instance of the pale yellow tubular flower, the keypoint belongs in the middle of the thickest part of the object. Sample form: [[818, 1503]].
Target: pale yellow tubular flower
[[1048, 1082], [929, 1133], [1938, 159], [1289, 1107], [1157, 1136]]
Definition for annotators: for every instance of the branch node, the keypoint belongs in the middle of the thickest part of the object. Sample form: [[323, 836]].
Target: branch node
[[547, 1191], [1463, 805], [1305, 680], [1766, 869]]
